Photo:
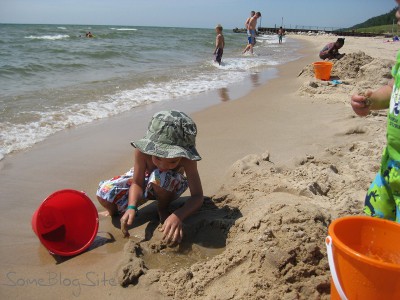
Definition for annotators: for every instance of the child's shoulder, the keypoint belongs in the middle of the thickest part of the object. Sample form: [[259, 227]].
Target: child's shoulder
[[141, 155], [187, 163]]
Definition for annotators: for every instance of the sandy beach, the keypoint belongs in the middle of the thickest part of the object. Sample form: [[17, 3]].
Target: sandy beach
[[279, 164]]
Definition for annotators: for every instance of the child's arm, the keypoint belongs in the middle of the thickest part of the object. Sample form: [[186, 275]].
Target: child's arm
[[172, 226], [217, 43], [375, 100], [246, 24], [136, 189]]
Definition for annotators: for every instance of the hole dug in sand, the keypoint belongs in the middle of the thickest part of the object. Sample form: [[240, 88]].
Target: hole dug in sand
[[204, 238]]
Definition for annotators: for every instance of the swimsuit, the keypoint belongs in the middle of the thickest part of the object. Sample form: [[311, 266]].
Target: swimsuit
[[383, 196], [280, 35], [324, 52], [218, 55], [251, 36], [115, 190]]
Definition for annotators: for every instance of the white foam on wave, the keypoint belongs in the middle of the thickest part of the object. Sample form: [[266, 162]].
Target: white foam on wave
[[124, 29], [48, 37], [15, 137], [247, 63]]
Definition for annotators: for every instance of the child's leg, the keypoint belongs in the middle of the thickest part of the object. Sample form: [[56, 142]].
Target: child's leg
[[165, 187], [378, 201], [382, 196], [164, 198], [111, 208], [113, 194], [395, 186]]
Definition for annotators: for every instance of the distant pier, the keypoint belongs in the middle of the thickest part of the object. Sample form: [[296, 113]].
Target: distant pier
[[327, 30]]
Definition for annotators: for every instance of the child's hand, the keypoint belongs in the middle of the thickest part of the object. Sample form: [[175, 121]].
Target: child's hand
[[126, 220], [360, 104], [172, 229]]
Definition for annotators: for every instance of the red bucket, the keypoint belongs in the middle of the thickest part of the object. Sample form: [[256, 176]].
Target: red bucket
[[66, 223]]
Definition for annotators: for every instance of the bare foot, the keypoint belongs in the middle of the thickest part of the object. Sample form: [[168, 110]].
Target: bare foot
[[105, 213]]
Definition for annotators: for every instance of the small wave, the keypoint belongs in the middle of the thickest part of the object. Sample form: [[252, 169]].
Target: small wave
[[48, 37], [247, 63], [23, 70], [16, 137], [124, 29], [63, 28]]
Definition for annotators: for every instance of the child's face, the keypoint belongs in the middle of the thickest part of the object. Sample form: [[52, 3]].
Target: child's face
[[165, 164]]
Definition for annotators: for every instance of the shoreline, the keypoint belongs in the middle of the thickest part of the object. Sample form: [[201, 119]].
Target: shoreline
[[272, 119], [54, 165]]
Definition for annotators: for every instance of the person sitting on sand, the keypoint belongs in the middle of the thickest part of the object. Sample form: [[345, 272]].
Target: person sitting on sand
[[331, 50], [219, 44], [165, 165], [383, 196]]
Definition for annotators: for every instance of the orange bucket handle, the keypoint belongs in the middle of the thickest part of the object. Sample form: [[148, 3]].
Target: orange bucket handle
[[328, 243]]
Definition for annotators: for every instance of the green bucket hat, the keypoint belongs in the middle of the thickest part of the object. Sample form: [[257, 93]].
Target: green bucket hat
[[170, 134]]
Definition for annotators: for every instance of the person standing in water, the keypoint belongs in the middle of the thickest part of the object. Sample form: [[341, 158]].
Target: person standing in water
[[219, 44], [252, 32]]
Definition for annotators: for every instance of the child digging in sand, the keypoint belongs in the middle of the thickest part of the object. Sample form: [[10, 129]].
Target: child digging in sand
[[383, 196], [331, 50], [162, 158]]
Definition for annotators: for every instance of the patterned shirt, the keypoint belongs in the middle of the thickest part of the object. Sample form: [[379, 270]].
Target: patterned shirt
[[393, 125]]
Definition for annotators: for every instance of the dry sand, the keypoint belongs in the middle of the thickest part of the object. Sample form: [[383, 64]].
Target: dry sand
[[279, 165]]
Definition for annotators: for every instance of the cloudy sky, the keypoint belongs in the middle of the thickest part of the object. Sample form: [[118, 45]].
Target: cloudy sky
[[192, 13]]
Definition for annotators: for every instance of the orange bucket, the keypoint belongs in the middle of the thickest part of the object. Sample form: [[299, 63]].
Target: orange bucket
[[364, 258], [322, 70], [66, 223]]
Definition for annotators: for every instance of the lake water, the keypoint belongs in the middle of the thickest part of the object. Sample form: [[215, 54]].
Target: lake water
[[54, 78]]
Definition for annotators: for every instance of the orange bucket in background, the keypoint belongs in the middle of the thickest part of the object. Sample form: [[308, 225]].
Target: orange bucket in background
[[364, 258], [322, 70], [66, 223]]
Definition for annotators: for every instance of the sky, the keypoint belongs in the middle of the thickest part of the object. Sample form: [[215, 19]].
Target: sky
[[194, 13]]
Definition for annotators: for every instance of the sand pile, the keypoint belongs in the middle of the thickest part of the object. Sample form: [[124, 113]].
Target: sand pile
[[354, 73], [268, 222], [274, 221]]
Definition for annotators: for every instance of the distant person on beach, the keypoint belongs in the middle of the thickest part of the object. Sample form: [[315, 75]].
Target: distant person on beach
[[383, 196], [251, 32], [219, 44], [331, 50], [246, 25], [281, 33], [165, 165]]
